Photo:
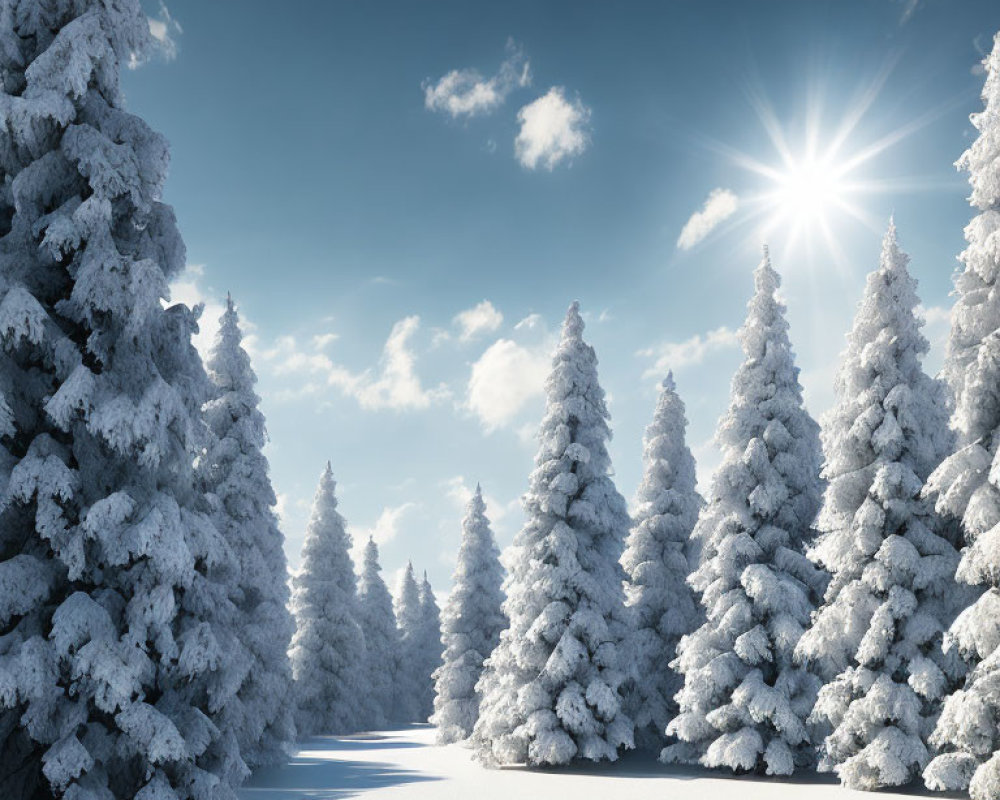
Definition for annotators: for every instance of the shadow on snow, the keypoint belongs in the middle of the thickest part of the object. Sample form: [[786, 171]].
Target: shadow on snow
[[644, 764], [319, 771]]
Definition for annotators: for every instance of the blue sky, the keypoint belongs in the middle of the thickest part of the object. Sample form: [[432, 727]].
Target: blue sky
[[404, 198]]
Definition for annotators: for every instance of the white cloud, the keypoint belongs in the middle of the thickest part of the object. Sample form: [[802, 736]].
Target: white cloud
[[387, 526], [530, 322], [674, 355], [504, 379], [483, 317], [460, 493], [937, 327], [164, 30], [385, 529], [394, 384], [720, 205], [322, 340], [465, 92], [187, 288], [552, 129]]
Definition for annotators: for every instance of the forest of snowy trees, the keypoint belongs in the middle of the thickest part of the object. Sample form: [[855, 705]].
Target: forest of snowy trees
[[831, 604]]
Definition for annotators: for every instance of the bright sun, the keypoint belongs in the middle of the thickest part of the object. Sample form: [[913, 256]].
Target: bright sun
[[807, 192]]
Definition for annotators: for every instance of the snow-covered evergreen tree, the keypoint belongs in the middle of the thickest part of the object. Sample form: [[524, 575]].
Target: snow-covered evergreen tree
[[328, 648], [473, 620], [114, 651], [876, 641], [551, 688], [966, 486], [409, 688], [429, 649], [658, 557], [744, 703], [235, 472], [382, 643]]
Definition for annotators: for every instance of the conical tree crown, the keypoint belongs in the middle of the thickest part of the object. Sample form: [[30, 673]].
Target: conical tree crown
[[552, 688], [328, 654], [972, 364], [966, 486], [877, 638], [382, 644], [757, 588], [235, 472], [472, 623], [658, 558]]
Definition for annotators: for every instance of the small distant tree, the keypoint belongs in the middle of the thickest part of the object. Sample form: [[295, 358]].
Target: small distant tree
[[328, 648], [382, 642], [551, 689], [235, 472], [429, 649], [658, 558], [966, 486], [745, 702], [473, 620], [409, 689], [876, 641]]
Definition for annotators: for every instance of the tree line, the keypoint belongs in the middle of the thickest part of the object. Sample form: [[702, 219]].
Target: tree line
[[830, 604]]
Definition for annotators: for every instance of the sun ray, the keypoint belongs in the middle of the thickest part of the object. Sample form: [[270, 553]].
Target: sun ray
[[805, 188]]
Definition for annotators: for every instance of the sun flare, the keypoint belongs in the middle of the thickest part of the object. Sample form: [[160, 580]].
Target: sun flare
[[808, 190], [822, 179]]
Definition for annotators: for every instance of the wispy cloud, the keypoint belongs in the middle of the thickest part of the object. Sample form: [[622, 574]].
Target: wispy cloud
[[675, 355], [720, 205], [393, 384], [466, 92], [937, 326], [481, 318], [909, 9], [189, 289], [385, 528], [164, 30], [553, 129]]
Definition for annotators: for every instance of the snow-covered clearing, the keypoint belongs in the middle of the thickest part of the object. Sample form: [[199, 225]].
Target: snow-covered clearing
[[407, 765]]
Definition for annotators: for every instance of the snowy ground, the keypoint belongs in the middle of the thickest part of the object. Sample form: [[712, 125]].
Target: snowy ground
[[407, 765]]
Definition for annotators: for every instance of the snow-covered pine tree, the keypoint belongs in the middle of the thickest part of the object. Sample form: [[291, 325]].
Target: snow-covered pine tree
[[328, 648], [430, 647], [382, 643], [658, 558], [966, 486], [551, 688], [876, 641], [408, 688], [473, 620], [114, 653], [235, 473], [745, 702]]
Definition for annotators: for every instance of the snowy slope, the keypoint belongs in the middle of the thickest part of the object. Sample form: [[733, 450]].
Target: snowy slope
[[407, 765]]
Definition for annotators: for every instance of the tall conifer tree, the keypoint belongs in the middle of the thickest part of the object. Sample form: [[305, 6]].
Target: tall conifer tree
[[115, 650], [408, 621], [551, 690], [382, 643], [328, 648], [473, 620], [876, 641], [967, 484], [745, 702], [235, 472], [659, 557]]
